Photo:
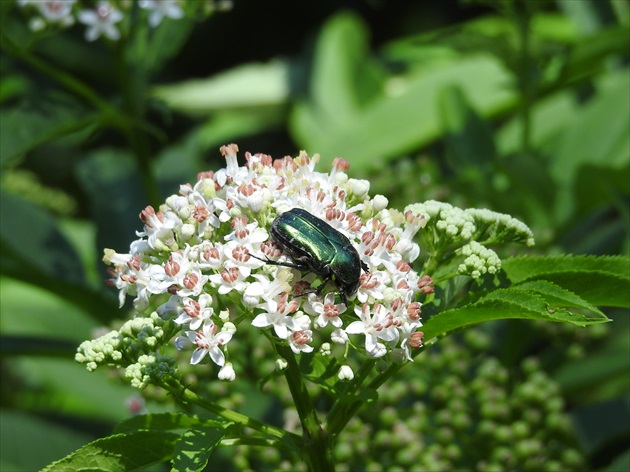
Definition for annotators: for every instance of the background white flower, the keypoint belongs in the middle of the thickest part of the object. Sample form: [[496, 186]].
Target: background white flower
[[101, 21], [160, 9]]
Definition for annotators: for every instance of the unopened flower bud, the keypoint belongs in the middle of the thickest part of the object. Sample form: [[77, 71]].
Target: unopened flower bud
[[345, 373]]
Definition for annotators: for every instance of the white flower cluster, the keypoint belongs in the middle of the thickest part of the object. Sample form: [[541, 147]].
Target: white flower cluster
[[103, 18], [198, 247]]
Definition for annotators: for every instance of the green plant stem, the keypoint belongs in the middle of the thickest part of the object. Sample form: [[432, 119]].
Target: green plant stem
[[522, 15], [339, 414], [317, 443], [132, 82], [188, 396], [65, 79], [338, 422]]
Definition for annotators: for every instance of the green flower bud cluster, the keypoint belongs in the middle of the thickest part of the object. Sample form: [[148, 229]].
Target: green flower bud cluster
[[150, 369], [453, 234], [479, 260], [464, 412], [461, 410], [27, 185], [134, 346]]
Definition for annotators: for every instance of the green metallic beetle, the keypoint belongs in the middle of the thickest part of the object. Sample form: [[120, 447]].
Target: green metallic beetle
[[316, 246]]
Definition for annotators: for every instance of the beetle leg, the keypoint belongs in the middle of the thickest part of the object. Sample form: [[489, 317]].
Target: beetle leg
[[320, 287], [293, 265]]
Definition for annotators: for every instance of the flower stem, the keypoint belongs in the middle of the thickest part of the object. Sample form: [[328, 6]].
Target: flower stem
[[349, 403], [188, 396], [317, 443], [65, 79]]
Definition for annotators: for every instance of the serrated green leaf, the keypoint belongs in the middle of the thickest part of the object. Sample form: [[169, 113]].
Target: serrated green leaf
[[602, 281], [557, 296], [510, 303], [195, 447], [520, 269], [119, 452], [166, 422]]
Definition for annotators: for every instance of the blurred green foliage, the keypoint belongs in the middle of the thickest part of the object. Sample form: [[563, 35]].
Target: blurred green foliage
[[521, 107]]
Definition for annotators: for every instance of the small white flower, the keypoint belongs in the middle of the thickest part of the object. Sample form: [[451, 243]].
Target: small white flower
[[277, 315], [227, 372], [228, 280], [339, 336], [345, 373], [255, 290], [374, 324], [281, 364], [359, 188], [57, 11], [101, 21], [299, 341], [195, 312], [379, 202], [207, 341], [160, 9], [327, 311], [379, 351]]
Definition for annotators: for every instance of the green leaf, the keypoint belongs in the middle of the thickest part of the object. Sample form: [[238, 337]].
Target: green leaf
[[32, 236], [24, 129], [502, 304], [400, 116], [35, 251], [195, 446], [599, 426], [132, 451], [321, 370], [37, 314], [603, 373], [602, 281], [64, 387], [469, 142], [559, 297], [229, 125], [593, 138], [592, 55], [111, 180], [166, 422], [166, 41], [344, 78], [20, 431], [13, 86], [620, 464], [246, 86]]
